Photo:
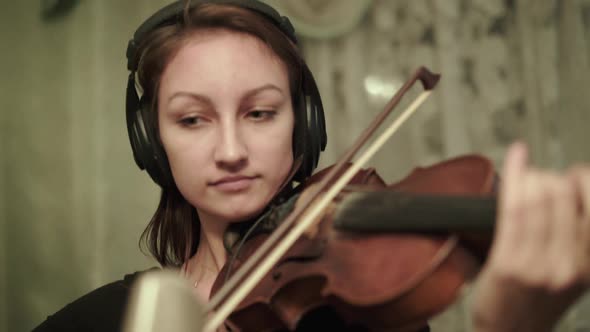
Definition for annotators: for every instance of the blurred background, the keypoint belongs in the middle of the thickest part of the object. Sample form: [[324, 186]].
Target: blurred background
[[73, 204]]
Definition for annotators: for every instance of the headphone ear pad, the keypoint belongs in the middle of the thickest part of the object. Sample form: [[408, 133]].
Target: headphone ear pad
[[314, 128], [147, 150], [135, 127]]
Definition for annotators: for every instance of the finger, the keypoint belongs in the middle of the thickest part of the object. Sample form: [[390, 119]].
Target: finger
[[510, 197], [534, 237], [564, 243], [580, 179], [514, 167], [580, 176]]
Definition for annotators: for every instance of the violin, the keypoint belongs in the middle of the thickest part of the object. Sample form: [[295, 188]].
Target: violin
[[368, 275], [390, 271]]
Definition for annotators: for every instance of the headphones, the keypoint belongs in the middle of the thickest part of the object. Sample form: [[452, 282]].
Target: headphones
[[309, 140]]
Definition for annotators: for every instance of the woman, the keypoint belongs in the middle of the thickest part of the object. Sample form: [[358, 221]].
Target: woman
[[229, 116]]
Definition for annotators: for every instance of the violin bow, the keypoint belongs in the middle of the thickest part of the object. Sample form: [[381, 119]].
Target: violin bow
[[305, 213]]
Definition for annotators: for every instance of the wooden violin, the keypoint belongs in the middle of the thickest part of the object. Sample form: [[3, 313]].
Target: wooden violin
[[350, 244]]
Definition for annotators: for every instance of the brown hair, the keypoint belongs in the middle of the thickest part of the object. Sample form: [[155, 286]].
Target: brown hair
[[172, 235]]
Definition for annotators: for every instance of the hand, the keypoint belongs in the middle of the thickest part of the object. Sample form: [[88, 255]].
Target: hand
[[539, 263]]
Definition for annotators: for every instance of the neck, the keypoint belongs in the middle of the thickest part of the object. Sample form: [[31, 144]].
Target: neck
[[211, 250], [202, 269]]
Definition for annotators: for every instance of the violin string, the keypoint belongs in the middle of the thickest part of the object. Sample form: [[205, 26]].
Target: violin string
[[428, 79], [310, 216]]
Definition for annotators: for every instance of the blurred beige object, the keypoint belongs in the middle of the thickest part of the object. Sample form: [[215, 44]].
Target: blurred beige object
[[163, 301], [323, 18]]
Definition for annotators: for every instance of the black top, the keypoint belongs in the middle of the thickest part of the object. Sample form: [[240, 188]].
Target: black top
[[103, 310], [100, 310]]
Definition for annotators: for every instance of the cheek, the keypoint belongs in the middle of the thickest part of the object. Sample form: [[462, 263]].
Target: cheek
[[179, 161], [185, 158], [277, 151], [280, 159]]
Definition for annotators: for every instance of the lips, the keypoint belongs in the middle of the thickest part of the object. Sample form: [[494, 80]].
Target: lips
[[234, 183]]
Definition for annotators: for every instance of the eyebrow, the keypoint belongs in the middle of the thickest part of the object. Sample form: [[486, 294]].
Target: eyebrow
[[255, 91], [206, 99]]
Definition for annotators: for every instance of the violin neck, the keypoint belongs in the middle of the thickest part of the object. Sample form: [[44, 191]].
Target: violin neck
[[394, 211]]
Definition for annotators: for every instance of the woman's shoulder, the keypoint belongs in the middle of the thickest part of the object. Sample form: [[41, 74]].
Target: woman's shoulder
[[100, 310]]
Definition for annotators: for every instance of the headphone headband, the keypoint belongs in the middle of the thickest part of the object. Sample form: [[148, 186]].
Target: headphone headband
[[173, 13]]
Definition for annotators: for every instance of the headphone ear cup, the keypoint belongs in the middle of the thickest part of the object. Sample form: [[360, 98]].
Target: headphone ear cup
[[151, 150], [315, 137], [135, 127], [147, 152]]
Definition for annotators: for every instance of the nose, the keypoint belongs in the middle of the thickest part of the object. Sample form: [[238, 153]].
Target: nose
[[231, 153]]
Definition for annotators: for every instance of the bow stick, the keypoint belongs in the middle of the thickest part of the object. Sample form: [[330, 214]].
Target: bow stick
[[304, 214]]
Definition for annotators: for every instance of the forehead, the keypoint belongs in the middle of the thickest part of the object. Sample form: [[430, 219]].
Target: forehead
[[223, 60]]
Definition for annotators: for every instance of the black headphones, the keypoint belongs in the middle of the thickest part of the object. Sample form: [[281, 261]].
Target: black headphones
[[148, 152]]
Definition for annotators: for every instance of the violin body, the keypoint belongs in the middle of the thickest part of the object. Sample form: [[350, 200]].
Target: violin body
[[377, 281]]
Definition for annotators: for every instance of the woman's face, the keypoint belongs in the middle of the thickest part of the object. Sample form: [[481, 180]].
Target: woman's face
[[226, 123]]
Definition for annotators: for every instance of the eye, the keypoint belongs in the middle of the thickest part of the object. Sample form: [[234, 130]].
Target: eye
[[260, 115], [190, 121]]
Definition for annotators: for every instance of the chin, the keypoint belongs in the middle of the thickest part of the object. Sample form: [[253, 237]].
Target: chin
[[243, 212], [242, 216]]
